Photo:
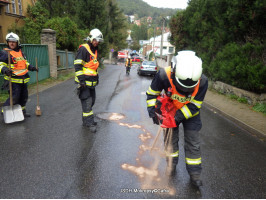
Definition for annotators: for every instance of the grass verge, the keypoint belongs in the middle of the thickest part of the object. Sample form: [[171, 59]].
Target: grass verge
[[260, 107]]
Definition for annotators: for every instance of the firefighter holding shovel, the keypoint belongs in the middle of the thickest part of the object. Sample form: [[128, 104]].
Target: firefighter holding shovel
[[15, 67], [185, 87]]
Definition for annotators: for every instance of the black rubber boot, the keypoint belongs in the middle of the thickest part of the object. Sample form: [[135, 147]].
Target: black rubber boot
[[90, 123], [91, 127], [195, 180], [26, 114]]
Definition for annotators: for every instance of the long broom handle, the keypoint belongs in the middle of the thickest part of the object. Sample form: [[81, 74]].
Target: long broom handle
[[156, 138], [10, 82], [37, 82]]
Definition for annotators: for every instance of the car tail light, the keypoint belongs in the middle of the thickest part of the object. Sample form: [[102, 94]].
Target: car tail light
[[141, 67], [155, 68]]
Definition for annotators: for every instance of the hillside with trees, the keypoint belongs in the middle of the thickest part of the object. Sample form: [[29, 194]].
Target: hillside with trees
[[229, 36], [142, 9], [72, 20]]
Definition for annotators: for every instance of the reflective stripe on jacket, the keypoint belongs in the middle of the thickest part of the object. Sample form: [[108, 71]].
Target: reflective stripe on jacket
[[86, 65], [19, 67], [161, 82], [128, 63], [90, 68]]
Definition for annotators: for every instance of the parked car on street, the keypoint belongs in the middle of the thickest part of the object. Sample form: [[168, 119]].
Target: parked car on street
[[136, 59], [147, 67]]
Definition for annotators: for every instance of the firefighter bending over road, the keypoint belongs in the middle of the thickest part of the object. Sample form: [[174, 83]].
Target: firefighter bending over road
[[18, 72], [188, 87], [86, 65], [128, 64]]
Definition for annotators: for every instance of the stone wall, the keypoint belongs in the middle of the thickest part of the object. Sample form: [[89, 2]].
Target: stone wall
[[252, 98], [164, 61], [48, 37]]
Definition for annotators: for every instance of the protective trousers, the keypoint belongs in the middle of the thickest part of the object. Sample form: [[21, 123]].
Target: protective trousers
[[87, 97], [20, 95], [192, 127]]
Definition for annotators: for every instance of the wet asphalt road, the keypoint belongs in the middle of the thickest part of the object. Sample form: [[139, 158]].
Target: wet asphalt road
[[53, 156]]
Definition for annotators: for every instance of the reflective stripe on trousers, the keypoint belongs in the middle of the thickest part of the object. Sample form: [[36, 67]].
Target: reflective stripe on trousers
[[191, 144]]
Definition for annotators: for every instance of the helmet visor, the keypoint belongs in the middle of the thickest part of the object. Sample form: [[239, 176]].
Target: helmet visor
[[185, 87], [12, 40], [98, 39]]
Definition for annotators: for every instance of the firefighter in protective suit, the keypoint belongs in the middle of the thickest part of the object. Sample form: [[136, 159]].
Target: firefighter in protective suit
[[128, 64], [18, 72], [188, 87], [86, 65]]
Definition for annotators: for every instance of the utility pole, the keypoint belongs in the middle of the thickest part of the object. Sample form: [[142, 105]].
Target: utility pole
[[153, 42], [161, 48]]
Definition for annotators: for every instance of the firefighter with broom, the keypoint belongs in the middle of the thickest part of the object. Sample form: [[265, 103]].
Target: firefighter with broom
[[185, 88]]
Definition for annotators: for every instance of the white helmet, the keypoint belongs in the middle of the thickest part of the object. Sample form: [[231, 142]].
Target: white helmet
[[12, 37], [188, 70], [96, 34]]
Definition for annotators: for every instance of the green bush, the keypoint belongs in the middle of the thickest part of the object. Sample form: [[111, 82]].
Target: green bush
[[260, 107], [67, 33], [240, 66], [229, 36]]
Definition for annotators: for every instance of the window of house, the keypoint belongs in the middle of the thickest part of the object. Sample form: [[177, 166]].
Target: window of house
[[171, 49], [8, 8], [20, 7], [13, 3]]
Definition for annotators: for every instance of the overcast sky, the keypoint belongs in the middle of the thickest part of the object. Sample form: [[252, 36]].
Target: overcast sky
[[168, 3]]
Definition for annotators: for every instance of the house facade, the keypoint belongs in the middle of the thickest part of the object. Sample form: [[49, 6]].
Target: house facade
[[168, 48], [12, 12]]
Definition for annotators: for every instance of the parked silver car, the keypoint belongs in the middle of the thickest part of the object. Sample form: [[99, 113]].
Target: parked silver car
[[147, 67]]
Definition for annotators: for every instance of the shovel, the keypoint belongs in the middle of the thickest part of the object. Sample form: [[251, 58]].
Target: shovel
[[12, 113], [38, 111]]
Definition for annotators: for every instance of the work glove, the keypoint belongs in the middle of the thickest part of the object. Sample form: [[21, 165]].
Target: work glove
[[34, 69], [7, 71], [156, 120], [178, 117]]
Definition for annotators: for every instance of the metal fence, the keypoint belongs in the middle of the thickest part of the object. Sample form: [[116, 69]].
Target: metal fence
[[65, 59], [31, 52]]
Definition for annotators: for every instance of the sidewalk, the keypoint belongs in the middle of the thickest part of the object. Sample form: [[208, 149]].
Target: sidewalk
[[239, 113]]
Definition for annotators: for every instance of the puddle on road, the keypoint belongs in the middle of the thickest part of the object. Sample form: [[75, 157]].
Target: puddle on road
[[111, 116], [149, 176]]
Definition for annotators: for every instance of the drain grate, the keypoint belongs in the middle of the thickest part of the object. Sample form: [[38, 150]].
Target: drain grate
[[111, 116]]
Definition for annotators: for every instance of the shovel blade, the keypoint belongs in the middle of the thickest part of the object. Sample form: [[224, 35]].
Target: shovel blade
[[13, 114]]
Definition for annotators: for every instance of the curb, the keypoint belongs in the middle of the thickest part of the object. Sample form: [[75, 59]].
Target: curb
[[254, 132]]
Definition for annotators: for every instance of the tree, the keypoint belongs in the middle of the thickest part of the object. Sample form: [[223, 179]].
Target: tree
[[93, 14], [60, 8], [34, 23], [67, 34], [213, 28], [117, 25]]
